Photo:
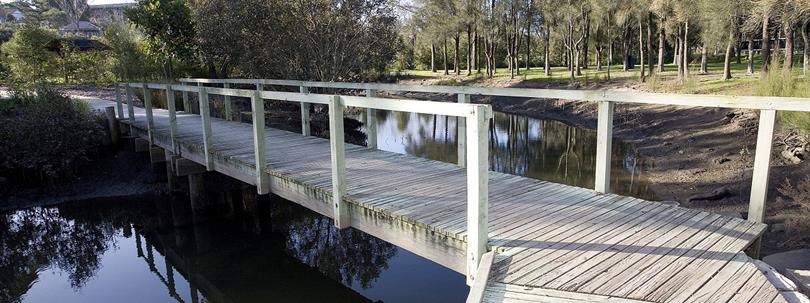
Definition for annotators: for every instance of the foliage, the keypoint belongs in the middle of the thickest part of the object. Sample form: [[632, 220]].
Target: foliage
[[40, 13], [130, 58], [168, 28], [301, 39], [89, 67], [46, 134], [27, 58]]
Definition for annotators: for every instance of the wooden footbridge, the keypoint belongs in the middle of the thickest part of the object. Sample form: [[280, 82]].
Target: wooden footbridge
[[516, 239]]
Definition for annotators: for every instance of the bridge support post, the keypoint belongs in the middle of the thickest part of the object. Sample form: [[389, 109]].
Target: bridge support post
[[118, 104], [201, 205], [461, 133], [170, 104], [259, 150], [228, 105], [150, 122], [477, 188], [112, 124], [371, 121], [338, 152], [604, 138], [305, 113], [205, 113], [130, 111], [171, 177], [759, 183]]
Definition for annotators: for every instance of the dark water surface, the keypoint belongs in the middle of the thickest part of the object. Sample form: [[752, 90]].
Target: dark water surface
[[542, 149], [127, 250]]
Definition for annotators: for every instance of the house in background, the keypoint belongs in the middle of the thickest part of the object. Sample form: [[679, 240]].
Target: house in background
[[10, 14], [105, 13], [84, 29]]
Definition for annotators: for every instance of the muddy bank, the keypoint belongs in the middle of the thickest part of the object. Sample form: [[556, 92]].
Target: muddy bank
[[124, 173]]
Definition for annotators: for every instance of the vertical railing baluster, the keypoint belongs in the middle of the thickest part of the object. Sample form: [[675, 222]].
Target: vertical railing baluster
[[118, 104], [170, 104], [759, 179], [305, 113], [259, 151], [205, 113], [371, 121], [228, 109], [150, 122], [461, 132], [477, 188], [130, 111], [604, 138], [186, 102], [338, 152]]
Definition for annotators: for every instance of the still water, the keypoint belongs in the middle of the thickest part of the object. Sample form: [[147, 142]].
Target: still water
[[542, 149], [127, 250]]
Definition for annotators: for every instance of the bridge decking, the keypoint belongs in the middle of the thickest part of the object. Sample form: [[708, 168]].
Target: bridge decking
[[555, 243]]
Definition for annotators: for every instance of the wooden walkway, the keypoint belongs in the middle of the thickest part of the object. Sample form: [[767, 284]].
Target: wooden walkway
[[554, 243]]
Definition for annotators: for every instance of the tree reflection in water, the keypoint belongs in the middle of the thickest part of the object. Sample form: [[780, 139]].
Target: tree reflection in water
[[298, 250]]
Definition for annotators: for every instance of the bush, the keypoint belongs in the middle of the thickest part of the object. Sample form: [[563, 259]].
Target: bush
[[29, 61], [45, 135]]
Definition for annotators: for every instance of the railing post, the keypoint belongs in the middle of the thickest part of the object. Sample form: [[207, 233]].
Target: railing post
[[150, 122], [304, 113], [259, 151], [186, 102], [172, 117], [228, 109], [371, 121], [130, 111], [759, 179], [338, 152], [477, 188], [205, 113], [604, 138], [118, 103], [461, 131]]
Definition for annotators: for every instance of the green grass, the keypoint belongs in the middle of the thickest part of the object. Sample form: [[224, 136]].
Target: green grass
[[709, 83]]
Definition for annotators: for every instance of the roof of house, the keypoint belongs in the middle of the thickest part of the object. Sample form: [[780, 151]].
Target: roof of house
[[80, 44], [82, 26]]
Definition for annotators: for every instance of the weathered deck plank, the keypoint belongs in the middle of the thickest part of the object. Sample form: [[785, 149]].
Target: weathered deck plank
[[556, 243]]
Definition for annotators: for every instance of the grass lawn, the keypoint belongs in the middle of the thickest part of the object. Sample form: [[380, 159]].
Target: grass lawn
[[709, 83]]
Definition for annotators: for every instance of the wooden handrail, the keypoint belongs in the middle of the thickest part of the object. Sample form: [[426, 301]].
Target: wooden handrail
[[477, 165]]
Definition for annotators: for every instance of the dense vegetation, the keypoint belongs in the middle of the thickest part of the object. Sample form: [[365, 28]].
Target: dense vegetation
[[45, 136]]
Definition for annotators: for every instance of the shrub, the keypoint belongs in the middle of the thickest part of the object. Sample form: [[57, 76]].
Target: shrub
[[28, 60], [782, 82], [45, 135]]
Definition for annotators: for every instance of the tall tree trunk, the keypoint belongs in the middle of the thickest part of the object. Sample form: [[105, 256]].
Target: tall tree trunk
[[641, 50], [729, 52], [433, 57], [469, 50], [528, 44], [599, 57], [476, 51], [625, 53], [704, 56], [788, 46], [546, 62], [685, 50], [456, 68], [446, 71], [585, 46], [750, 70], [650, 66], [676, 59], [766, 39], [738, 39], [610, 51], [806, 51], [661, 47]]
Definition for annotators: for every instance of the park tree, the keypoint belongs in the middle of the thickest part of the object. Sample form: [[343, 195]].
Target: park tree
[[219, 31], [74, 10], [169, 30], [27, 57]]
